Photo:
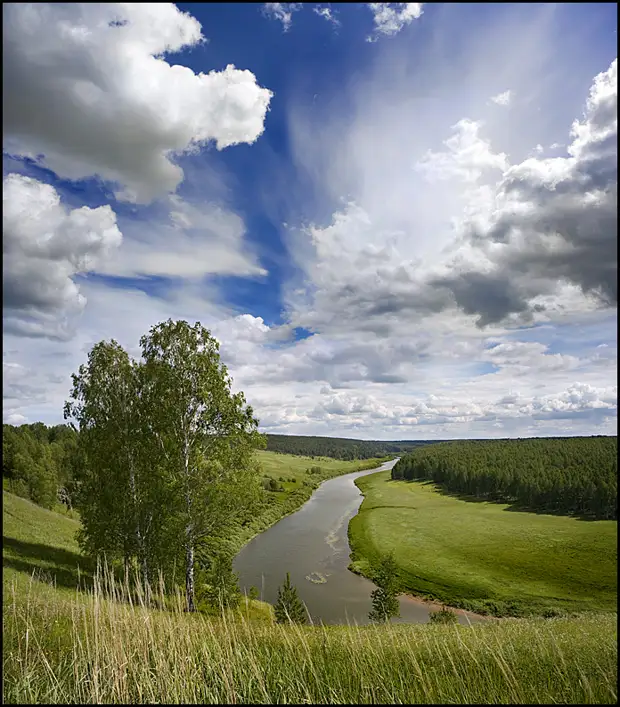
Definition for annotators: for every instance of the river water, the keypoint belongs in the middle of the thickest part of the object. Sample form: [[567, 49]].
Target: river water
[[312, 546]]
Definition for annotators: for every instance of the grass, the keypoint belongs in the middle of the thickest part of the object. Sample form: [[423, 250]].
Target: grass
[[103, 645], [105, 650], [41, 542], [482, 557]]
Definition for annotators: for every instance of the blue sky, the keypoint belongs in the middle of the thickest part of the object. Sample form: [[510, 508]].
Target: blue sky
[[398, 219]]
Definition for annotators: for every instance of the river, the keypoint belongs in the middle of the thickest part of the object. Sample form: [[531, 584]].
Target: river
[[312, 545]]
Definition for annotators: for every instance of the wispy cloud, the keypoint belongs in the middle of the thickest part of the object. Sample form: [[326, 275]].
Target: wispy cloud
[[326, 13], [281, 11], [504, 98]]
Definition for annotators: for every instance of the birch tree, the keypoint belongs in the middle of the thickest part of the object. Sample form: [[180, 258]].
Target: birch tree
[[117, 503], [203, 432]]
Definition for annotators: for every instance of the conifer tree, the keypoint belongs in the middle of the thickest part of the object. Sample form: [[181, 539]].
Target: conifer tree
[[385, 597], [289, 607]]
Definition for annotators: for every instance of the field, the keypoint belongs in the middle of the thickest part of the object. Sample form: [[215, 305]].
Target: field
[[290, 466], [479, 555], [64, 646]]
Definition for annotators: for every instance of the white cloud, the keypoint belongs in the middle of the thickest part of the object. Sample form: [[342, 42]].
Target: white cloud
[[398, 264], [44, 245], [526, 240], [86, 86], [467, 156], [503, 99], [327, 14], [282, 11], [197, 240], [391, 17]]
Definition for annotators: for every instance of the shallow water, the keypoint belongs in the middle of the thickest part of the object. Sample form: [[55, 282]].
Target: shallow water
[[312, 545]]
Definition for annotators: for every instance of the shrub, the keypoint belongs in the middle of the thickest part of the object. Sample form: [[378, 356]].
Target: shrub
[[289, 607], [444, 616]]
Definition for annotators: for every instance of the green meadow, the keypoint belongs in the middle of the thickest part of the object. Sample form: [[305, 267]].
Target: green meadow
[[482, 556], [103, 645]]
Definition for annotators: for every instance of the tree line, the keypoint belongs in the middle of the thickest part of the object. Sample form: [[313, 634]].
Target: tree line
[[336, 447], [38, 462], [571, 475]]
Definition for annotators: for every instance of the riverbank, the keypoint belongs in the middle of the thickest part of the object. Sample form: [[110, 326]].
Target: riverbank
[[298, 483], [481, 557]]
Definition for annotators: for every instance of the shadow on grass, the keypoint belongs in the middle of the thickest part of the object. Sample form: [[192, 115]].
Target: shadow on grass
[[512, 507], [53, 562]]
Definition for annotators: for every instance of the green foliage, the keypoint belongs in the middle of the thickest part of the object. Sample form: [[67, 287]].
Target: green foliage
[[572, 475], [38, 461], [443, 616], [167, 450], [289, 607], [219, 585], [385, 597], [270, 484]]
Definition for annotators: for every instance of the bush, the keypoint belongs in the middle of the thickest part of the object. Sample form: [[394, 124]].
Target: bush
[[270, 484], [444, 616]]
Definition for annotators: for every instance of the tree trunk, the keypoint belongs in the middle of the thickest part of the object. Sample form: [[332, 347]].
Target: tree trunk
[[189, 574]]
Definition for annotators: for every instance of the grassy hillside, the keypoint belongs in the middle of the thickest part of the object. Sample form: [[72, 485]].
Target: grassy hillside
[[36, 540], [480, 555], [60, 646]]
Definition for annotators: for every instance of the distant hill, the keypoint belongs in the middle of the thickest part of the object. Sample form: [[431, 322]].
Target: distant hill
[[339, 447]]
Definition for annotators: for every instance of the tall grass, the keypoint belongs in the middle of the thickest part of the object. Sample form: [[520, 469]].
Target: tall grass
[[108, 646]]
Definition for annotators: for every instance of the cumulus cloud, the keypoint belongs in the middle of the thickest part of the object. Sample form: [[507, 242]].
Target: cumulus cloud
[[531, 238], [553, 221], [391, 17], [87, 90], [503, 99], [282, 11], [45, 245]]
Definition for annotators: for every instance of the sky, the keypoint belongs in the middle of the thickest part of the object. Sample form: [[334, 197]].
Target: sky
[[398, 219]]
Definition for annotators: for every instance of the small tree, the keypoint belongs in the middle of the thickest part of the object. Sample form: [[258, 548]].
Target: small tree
[[222, 584], [289, 608], [385, 597]]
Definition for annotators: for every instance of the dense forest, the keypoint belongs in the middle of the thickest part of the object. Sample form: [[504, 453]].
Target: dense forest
[[337, 447], [39, 462], [570, 475]]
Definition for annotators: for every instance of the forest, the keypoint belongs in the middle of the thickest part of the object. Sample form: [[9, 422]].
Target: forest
[[571, 475], [39, 462], [338, 447]]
